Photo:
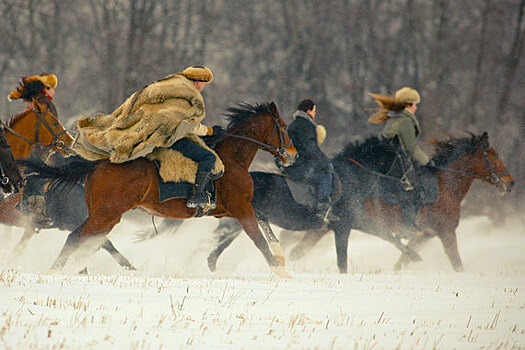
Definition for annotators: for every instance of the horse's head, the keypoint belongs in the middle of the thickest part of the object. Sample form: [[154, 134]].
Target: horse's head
[[38, 126], [477, 160], [283, 148], [262, 125], [490, 167]]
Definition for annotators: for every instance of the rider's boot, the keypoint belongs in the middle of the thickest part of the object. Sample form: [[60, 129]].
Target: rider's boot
[[198, 196]]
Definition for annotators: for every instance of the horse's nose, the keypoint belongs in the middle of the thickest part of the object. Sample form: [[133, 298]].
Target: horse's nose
[[510, 185]]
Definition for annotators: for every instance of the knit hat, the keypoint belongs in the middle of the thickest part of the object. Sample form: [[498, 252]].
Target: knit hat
[[406, 95], [198, 73], [30, 83]]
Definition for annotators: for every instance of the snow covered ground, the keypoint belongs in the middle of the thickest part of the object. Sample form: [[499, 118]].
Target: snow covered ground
[[174, 302]]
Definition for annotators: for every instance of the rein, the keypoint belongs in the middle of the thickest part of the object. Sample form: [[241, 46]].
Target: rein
[[493, 178]]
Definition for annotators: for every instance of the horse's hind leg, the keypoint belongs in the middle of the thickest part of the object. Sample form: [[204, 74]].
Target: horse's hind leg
[[89, 235], [228, 229], [121, 259], [307, 242], [275, 246], [414, 245], [29, 232]]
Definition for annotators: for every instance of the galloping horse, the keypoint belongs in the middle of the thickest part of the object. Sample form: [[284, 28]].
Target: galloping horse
[[459, 161], [361, 207], [36, 127], [113, 189]]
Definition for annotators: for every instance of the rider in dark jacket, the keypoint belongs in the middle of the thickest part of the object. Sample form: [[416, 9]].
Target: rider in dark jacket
[[312, 165]]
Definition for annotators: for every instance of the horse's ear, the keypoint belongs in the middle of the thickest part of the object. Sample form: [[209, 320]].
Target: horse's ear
[[273, 108]]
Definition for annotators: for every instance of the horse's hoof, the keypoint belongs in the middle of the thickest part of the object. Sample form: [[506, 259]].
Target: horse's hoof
[[84, 271], [212, 263], [280, 271], [278, 253]]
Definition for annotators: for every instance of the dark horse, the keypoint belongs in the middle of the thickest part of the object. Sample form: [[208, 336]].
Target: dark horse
[[459, 161], [113, 189], [11, 181]]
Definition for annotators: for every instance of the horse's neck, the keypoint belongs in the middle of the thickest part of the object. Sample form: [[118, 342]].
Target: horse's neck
[[22, 142], [458, 184], [239, 151]]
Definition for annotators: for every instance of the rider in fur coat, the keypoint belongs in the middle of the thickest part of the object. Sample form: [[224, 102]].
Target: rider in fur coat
[[164, 114]]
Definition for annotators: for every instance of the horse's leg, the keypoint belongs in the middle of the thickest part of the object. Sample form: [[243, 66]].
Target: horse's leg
[[121, 259], [450, 244], [275, 246], [407, 251], [307, 242], [246, 217], [341, 234], [100, 222], [414, 244], [227, 235], [29, 232]]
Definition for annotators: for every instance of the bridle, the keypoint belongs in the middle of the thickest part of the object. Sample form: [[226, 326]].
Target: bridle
[[279, 151], [493, 177], [55, 143]]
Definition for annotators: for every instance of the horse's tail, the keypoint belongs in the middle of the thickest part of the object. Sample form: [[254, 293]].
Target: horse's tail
[[73, 171]]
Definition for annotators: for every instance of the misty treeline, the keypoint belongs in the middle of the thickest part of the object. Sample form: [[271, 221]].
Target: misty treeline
[[465, 57]]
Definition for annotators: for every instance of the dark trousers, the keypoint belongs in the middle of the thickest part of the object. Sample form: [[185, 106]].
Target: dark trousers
[[204, 158], [324, 186]]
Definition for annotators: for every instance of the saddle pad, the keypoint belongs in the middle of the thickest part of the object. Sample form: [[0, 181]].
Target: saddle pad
[[170, 190], [302, 193]]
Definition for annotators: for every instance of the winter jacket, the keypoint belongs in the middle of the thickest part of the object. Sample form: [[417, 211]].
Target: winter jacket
[[310, 160], [405, 127]]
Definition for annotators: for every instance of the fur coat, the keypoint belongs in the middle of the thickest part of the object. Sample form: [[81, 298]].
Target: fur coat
[[155, 116]]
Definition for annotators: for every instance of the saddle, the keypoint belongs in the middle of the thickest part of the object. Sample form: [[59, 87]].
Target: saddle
[[304, 192], [180, 183], [416, 185]]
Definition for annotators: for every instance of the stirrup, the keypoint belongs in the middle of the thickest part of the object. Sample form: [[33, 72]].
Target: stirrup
[[407, 184]]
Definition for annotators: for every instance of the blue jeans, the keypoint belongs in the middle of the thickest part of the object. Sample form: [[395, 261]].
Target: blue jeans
[[204, 158], [324, 186]]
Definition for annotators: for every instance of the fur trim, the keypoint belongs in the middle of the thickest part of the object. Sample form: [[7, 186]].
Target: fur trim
[[198, 73], [156, 116], [320, 130], [174, 166]]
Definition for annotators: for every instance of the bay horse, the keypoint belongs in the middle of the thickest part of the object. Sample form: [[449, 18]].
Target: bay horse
[[459, 162], [37, 127], [113, 189]]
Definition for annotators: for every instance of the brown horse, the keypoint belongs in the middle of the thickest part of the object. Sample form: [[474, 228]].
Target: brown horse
[[113, 189], [38, 127], [459, 162]]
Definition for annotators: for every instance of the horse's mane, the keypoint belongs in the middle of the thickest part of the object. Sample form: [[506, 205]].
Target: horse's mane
[[242, 111], [17, 117], [452, 148], [377, 152]]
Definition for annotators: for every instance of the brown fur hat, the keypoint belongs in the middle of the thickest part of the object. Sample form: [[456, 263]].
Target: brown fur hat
[[198, 73], [30, 86]]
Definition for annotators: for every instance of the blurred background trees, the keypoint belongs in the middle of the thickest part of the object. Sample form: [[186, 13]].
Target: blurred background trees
[[465, 57]]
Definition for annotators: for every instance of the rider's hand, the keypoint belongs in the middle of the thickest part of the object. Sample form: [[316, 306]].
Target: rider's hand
[[218, 131]]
